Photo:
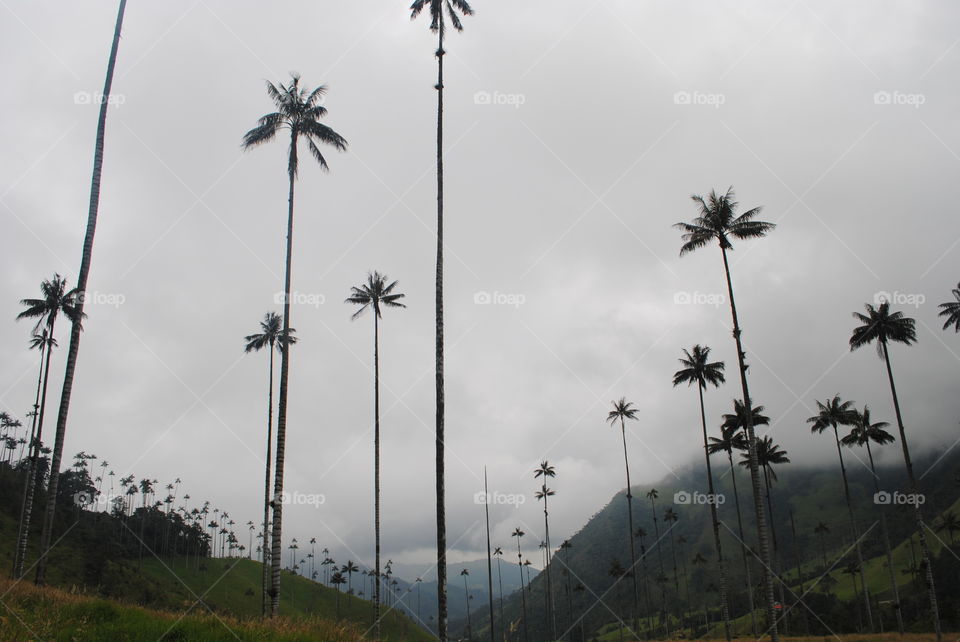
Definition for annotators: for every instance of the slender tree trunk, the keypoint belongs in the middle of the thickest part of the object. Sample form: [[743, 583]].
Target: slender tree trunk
[[503, 625], [33, 475], [856, 532], [886, 547], [466, 595], [266, 493], [776, 552], [918, 515], [441, 508], [743, 545], [551, 616], [486, 508], [376, 464], [277, 536], [633, 553], [81, 289], [523, 593], [724, 607], [663, 592], [30, 464], [754, 467]]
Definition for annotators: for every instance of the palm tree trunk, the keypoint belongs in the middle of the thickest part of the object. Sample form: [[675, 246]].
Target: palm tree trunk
[[503, 626], [523, 593], [551, 616], [776, 551], [376, 464], [81, 289], [856, 532], [486, 508], [633, 553], [752, 460], [266, 493], [886, 547], [277, 536], [724, 608], [743, 546], [918, 515], [33, 470], [441, 508]]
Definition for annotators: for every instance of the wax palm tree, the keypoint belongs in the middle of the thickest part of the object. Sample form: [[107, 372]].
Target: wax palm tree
[[498, 553], [951, 310], [718, 222], [882, 326], [523, 594], [732, 438], [670, 518], [950, 523], [438, 25], [830, 415], [338, 580], [74, 348], [852, 570], [298, 111], [545, 470], [54, 300], [616, 571], [349, 568], [270, 336], [652, 495], [698, 369], [821, 530], [466, 594], [865, 431], [623, 410], [377, 293]]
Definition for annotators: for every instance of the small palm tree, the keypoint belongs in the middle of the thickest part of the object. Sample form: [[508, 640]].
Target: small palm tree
[[466, 594], [377, 293], [698, 369], [497, 553], [74, 348], [951, 310], [545, 470], [349, 568], [523, 594], [54, 300], [882, 326], [717, 221], [852, 569], [822, 529], [438, 25], [623, 410], [950, 523], [270, 336], [836, 412], [299, 112], [337, 579], [863, 433]]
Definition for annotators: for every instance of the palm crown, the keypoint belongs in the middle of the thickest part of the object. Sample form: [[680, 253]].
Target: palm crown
[[768, 454], [865, 431], [731, 439], [833, 414], [376, 292], [718, 221], [436, 8], [622, 409], [271, 332], [738, 419], [698, 369], [882, 326], [56, 299], [298, 110], [951, 310], [544, 470]]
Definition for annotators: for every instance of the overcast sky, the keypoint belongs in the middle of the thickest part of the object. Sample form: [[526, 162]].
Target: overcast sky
[[575, 135]]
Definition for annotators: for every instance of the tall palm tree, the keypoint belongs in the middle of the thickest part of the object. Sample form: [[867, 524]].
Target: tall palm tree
[[438, 25], [74, 348], [523, 594], [717, 222], [652, 495], [377, 293], [832, 414], [298, 111], [821, 530], [270, 335], [865, 431], [731, 438], [54, 300], [623, 410], [951, 310], [698, 369], [350, 568], [883, 326], [545, 470], [466, 594], [670, 517], [498, 553]]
